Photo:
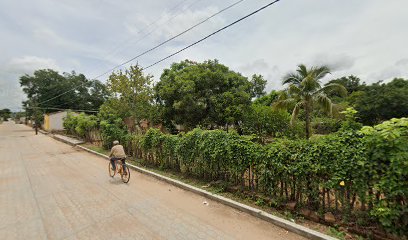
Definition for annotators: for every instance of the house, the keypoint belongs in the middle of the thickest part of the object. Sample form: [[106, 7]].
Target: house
[[55, 121]]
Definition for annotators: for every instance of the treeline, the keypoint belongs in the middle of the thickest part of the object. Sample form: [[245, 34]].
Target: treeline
[[209, 95], [49, 91]]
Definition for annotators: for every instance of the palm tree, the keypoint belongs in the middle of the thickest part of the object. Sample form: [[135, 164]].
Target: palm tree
[[304, 91]]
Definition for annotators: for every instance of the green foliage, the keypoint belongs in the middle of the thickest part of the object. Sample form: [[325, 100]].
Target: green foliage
[[387, 145], [381, 101], [132, 95], [350, 122], [305, 91], [46, 84], [267, 122], [351, 83], [70, 123], [369, 166], [258, 83], [5, 114], [80, 124], [325, 125], [268, 99], [205, 94], [114, 129]]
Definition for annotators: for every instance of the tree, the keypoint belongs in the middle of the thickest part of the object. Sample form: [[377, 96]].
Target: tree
[[258, 86], [267, 100], [206, 94], [5, 114], [44, 88], [305, 91], [264, 121], [381, 101], [132, 95], [351, 83]]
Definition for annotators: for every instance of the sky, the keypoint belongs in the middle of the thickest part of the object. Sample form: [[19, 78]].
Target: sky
[[366, 38]]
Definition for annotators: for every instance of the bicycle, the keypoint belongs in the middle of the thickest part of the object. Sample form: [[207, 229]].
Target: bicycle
[[119, 169]]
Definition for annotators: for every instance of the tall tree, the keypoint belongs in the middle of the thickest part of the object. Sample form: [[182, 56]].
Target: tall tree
[[5, 114], [381, 101], [268, 99], [44, 88], [208, 94], [258, 85], [305, 91], [132, 94], [351, 83]]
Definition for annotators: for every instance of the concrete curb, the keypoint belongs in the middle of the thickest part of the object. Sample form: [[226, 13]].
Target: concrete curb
[[290, 226], [63, 139]]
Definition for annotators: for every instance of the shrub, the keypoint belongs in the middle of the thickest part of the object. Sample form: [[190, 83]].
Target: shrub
[[387, 145]]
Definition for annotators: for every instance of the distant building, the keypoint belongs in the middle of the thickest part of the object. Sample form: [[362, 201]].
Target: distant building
[[55, 121]]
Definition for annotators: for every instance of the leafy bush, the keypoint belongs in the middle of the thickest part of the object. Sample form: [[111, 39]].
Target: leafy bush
[[387, 145], [326, 125], [114, 129], [80, 124], [70, 122], [264, 121], [345, 172]]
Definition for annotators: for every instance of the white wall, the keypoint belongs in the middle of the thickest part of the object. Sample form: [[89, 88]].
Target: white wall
[[57, 120]]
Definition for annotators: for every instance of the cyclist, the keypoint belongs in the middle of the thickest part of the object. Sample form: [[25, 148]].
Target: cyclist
[[118, 153]]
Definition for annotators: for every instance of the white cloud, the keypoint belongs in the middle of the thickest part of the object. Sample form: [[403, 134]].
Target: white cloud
[[338, 62], [366, 38], [402, 62], [28, 64]]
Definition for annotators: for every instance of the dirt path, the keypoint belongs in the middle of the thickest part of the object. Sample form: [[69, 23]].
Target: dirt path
[[49, 190]]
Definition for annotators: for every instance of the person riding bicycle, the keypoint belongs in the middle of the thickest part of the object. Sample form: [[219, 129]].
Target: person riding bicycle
[[118, 153]]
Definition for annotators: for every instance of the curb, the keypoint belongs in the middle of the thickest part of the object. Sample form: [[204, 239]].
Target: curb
[[67, 141], [290, 226]]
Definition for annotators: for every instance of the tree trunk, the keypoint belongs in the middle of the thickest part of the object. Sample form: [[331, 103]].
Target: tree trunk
[[307, 113]]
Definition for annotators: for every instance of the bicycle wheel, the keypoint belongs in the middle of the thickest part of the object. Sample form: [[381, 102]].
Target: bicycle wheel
[[111, 171], [125, 177]]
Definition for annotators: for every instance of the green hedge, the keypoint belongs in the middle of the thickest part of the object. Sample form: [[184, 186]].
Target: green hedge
[[360, 176]]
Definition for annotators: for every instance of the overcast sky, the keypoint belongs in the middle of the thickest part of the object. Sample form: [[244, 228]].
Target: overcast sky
[[367, 38]]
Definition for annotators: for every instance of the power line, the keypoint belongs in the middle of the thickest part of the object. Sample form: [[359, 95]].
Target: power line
[[140, 31], [191, 45], [172, 38], [118, 47], [157, 46], [210, 35], [62, 109]]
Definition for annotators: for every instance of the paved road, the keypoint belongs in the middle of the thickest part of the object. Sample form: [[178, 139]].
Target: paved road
[[49, 190]]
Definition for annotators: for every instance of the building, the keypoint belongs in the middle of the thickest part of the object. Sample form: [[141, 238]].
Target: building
[[55, 121]]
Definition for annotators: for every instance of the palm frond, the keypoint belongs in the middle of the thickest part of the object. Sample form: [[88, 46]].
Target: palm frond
[[284, 103], [292, 78], [321, 72], [334, 88], [302, 70], [294, 90], [295, 112], [310, 84], [325, 102]]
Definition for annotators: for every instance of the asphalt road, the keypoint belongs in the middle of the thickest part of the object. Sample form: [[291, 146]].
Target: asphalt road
[[50, 190]]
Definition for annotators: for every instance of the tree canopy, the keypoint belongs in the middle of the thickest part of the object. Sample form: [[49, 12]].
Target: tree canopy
[[47, 84], [206, 94], [381, 101], [5, 114], [305, 91]]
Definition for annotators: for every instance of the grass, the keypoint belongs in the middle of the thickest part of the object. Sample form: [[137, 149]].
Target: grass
[[96, 148]]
